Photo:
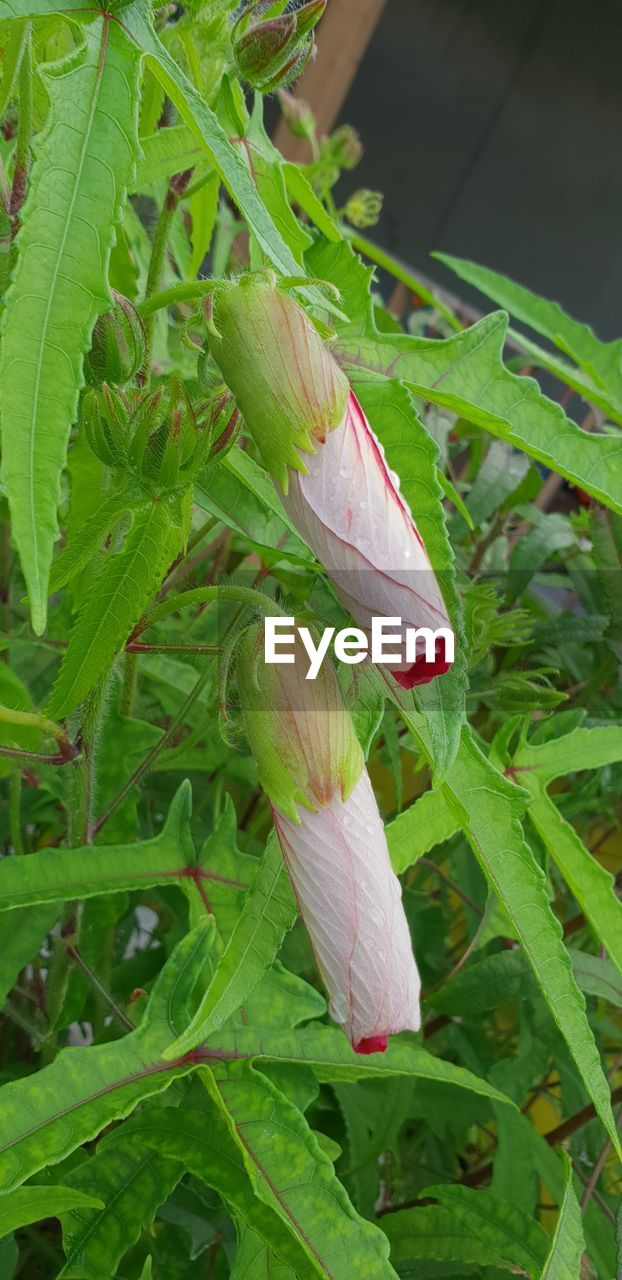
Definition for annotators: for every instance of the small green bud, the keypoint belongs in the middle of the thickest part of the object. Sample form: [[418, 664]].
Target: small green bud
[[288, 387], [300, 731], [118, 345], [363, 208], [345, 147]]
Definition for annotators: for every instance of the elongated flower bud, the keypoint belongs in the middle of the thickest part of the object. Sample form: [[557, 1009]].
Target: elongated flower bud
[[338, 490], [333, 843], [349, 509]]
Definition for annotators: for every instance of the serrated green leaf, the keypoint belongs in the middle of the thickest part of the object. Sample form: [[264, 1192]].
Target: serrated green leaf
[[466, 373], [292, 1175], [206, 128], [601, 360], [53, 875], [433, 1232], [31, 1204], [268, 913], [419, 828], [44, 1117], [131, 1183], [75, 193], [327, 1053], [88, 539], [568, 1245], [592, 885], [114, 604], [200, 1136], [508, 1232], [165, 153], [489, 809]]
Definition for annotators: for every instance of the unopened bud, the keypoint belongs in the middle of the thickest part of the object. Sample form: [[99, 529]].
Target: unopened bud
[[364, 208], [289, 389], [300, 730], [118, 345], [345, 146], [271, 52], [297, 115]]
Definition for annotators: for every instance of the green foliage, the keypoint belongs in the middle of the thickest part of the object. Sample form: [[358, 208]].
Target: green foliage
[[77, 185], [172, 1086]]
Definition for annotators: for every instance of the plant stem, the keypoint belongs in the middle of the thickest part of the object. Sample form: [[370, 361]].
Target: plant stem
[[176, 189], [395, 268], [24, 128], [15, 811], [186, 291], [130, 678], [152, 755], [98, 986]]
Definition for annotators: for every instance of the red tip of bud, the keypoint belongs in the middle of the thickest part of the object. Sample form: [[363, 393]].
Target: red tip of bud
[[584, 498], [421, 671], [372, 1044]]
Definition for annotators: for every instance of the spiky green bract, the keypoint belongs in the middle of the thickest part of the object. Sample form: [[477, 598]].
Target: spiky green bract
[[300, 730], [289, 389]]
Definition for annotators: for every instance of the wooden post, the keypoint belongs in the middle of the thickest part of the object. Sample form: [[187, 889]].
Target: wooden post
[[343, 36]]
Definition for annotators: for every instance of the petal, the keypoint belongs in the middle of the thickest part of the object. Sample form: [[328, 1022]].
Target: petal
[[351, 903], [349, 509]]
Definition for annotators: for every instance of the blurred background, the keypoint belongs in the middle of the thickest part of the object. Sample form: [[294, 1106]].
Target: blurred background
[[493, 130]]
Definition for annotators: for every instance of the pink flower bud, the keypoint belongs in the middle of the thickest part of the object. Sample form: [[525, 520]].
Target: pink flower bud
[[350, 900], [348, 507]]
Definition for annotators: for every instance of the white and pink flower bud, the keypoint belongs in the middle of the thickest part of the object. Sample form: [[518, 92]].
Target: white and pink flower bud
[[311, 767], [337, 488], [351, 902], [348, 507]]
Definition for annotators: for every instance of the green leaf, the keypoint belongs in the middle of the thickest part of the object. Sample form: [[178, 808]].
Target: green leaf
[[592, 885], [88, 539], [254, 1259], [53, 875], [412, 453], [31, 1204], [206, 128], [268, 912], [165, 153], [114, 604], [498, 1223], [601, 360], [292, 1175], [44, 1117], [327, 1053], [76, 189], [568, 1245], [21, 936], [241, 494], [467, 1226], [499, 475], [489, 809], [466, 373], [433, 1232], [132, 1183], [419, 828], [202, 1138]]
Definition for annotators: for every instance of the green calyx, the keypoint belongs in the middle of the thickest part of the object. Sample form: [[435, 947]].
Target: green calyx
[[288, 387], [300, 731]]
